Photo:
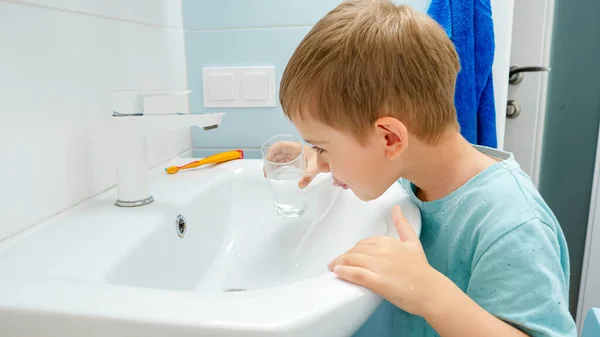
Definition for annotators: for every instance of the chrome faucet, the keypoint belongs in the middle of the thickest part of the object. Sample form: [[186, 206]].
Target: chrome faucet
[[132, 126]]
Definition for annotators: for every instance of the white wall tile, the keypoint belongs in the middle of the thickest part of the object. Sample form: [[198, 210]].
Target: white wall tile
[[154, 12], [56, 71]]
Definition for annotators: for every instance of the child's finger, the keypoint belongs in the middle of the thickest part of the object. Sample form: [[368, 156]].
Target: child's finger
[[360, 276], [404, 229], [371, 241], [283, 151], [352, 259]]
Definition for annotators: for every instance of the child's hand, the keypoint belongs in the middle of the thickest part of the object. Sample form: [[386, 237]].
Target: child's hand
[[285, 151], [395, 269]]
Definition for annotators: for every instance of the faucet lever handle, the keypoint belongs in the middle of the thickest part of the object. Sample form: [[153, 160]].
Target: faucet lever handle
[[131, 102]]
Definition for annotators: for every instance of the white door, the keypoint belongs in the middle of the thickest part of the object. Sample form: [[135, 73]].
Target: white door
[[531, 37]]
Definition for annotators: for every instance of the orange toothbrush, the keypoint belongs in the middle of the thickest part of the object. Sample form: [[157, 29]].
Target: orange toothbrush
[[214, 159]]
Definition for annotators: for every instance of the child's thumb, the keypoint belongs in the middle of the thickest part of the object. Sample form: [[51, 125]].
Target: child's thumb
[[309, 174], [405, 231], [306, 179]]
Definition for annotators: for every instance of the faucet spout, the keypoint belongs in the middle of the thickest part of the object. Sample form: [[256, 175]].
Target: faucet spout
[[211, 127]]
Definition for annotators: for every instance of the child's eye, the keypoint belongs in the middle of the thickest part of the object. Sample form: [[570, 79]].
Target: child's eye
[[318, 149]]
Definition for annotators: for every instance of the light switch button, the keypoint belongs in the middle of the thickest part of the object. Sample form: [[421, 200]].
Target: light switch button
[[220, 87], [255, 87]]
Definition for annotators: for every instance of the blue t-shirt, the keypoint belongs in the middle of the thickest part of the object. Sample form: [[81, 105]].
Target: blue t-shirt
[[499, 242]]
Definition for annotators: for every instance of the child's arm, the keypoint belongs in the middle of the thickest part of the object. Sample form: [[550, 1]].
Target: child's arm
[[398, 271], [456, 314]]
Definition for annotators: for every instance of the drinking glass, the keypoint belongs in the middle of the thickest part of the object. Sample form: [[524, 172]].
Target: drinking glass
[[284, 165]]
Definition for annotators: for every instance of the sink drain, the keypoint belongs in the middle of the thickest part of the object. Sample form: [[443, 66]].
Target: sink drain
[[234, 289], [180, 225]]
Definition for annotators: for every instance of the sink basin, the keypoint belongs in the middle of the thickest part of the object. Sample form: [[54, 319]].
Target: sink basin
[[210, 257]]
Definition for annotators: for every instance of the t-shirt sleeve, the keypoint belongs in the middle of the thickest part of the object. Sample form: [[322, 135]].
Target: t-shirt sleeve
[[520, 279]]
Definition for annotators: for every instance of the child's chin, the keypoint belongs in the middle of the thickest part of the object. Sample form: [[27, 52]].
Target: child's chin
[[363, 196], [366, 195]]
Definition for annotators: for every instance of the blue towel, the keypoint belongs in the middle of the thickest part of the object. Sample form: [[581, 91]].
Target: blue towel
[[469, 24]]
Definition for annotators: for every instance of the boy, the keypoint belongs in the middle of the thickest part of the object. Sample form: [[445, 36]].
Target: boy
[[372, 88]]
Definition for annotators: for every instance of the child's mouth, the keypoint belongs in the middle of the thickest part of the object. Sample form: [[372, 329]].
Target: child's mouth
[[339, 183]]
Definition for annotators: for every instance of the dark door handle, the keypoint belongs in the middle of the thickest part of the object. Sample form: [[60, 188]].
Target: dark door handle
[[515, 74]]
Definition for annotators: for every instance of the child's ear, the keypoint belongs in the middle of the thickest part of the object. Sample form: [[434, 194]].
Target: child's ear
[[393, 134]]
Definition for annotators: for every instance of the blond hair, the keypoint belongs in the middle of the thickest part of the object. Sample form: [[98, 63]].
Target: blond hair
[[370, 59]]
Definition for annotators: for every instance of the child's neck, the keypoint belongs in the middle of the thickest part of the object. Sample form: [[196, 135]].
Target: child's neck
[[441, 169]]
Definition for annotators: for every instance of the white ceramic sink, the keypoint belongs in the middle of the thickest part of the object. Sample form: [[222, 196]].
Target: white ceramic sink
[[238, 270]]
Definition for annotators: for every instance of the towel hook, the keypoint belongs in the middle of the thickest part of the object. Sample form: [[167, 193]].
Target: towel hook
[[515, 74]]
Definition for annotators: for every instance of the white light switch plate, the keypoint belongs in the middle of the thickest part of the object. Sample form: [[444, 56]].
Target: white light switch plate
[[239, 87]]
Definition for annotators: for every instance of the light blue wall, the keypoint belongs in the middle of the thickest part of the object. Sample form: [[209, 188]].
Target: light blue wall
[[246, 33]]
